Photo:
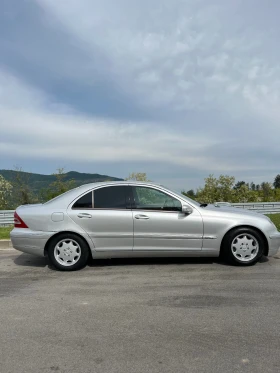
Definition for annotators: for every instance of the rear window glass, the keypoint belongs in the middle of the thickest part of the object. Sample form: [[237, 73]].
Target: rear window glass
[[110, 198], [84, 202]]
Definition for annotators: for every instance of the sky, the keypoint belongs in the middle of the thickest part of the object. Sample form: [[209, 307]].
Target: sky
[[178, 89]]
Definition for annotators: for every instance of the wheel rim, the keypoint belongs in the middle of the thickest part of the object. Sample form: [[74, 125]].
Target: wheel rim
[[67, 252], [245, 247]]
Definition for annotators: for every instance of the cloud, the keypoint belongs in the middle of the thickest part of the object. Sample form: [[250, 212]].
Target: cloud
[[34, 127], [179, 87], [190, 55]]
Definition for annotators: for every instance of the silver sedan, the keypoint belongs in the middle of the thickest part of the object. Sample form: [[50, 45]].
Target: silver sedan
[[135, 219]]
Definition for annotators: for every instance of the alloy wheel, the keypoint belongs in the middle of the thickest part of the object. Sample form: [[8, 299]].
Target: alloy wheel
[[245, 247], [67, 252]]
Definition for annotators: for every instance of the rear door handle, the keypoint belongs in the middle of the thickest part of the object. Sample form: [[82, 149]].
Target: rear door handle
[[83, 215], [142, 217]]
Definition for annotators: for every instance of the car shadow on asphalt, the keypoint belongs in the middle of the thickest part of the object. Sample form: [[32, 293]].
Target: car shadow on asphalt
[[117, 262], [26, 260]]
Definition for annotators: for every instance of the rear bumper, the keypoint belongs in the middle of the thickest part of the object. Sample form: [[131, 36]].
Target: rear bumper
[[28, 241], [274, 244]]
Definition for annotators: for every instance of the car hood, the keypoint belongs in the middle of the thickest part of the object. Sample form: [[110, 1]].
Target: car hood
[[227, 210]]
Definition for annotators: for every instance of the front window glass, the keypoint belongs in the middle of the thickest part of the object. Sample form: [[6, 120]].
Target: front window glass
[[153, 199], [185, 197], [110, 198]]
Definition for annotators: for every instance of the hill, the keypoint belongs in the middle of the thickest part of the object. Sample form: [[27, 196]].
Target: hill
[[37, 182]]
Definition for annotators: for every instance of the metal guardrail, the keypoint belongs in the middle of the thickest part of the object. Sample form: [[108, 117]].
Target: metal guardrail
[[7, 216], [260, 207]]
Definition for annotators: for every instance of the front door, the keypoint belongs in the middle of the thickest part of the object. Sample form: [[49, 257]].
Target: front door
[[160, 225], [105, 214]]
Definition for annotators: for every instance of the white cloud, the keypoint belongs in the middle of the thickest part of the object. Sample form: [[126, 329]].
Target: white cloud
[[189, 55], [39, 130], [32, 127], [207, 68], [13, 93]]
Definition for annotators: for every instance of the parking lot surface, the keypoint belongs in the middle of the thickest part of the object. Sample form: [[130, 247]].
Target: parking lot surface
[[154, 315]]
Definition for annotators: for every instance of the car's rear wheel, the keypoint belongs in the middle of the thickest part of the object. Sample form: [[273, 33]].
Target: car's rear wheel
[[243, 246], [68, 252]]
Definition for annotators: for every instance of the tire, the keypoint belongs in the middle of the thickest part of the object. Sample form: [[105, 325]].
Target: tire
[[243, 247], [68, 252]]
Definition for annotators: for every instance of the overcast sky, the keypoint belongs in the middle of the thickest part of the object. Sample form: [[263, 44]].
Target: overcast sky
[[175, 88]]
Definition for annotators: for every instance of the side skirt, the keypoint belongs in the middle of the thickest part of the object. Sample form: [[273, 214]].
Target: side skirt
[[154, 254]]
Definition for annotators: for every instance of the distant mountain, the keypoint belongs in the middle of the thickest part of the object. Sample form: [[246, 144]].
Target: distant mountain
[[38, 182]]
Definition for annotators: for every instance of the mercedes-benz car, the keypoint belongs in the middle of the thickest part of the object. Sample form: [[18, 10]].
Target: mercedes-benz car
[[137, 219]]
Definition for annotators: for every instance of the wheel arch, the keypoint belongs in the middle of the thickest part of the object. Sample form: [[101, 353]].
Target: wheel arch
[[46, 248], [251, 227]]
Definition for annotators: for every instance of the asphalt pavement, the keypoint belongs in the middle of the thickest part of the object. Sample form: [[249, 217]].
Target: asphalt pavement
[[139, 316]]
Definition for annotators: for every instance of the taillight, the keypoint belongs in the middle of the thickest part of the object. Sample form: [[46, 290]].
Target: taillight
[[18, 222]]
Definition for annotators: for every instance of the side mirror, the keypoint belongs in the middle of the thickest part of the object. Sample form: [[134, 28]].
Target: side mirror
[[187, 209]]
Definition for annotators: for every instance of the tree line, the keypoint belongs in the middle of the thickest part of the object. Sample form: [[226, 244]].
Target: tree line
[[221, 189], [226, 189], [18, 191]]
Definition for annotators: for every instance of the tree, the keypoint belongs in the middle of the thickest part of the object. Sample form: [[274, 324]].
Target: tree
[[244, 194], [137, 176], [276, 183], [276, 194], [190, 193], [239, 184], [253, 186], [22, 194], [266, 192], [217, 190], [208, 194], [5, 192], [59, 186], [226, 184]]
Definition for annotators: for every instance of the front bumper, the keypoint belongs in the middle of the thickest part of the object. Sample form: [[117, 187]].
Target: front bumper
[[28, 241], [274, 244]]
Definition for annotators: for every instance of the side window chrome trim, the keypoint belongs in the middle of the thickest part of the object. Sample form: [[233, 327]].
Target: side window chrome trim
[[163, 211]]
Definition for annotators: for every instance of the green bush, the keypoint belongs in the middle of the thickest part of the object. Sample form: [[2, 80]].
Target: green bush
[[224, 189]]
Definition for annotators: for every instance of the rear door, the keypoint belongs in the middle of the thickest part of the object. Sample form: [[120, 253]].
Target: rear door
[[105, 214], [160, 225]]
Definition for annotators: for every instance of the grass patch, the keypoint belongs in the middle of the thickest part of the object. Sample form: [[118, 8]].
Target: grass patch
[[5, 232], [276, 220]]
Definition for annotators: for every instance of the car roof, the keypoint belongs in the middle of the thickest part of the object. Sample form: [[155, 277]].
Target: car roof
[[125, 182], [66, 198]]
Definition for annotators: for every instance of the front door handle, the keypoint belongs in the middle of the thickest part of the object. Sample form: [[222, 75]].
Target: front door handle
[[83, 215], [142, 217]]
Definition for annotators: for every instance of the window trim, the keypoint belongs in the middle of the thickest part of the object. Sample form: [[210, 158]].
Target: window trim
[[133, 204]]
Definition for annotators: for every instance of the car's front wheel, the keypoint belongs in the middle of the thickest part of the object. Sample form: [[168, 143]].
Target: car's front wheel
[[68, 252], [243, 246]]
